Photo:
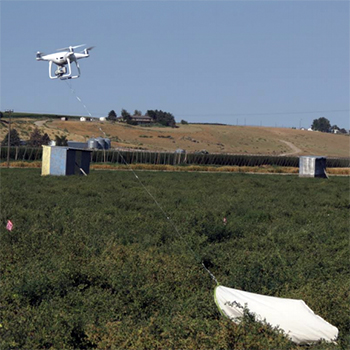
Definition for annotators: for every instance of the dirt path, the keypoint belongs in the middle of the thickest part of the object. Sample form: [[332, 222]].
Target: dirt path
[[40, 122], [294, 148]]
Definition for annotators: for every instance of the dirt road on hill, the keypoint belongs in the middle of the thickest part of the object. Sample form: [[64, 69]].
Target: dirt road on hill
[[40, 122], [295, 149]]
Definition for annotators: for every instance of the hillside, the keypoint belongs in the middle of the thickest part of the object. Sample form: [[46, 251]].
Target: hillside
[[194, 137]]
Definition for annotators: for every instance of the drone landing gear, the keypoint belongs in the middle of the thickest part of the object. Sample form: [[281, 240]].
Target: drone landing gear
[[61, 71]]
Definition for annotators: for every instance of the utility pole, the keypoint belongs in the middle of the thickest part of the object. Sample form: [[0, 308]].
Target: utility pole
[[9, 111]]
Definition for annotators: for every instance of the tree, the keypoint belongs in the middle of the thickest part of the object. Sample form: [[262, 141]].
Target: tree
[[36, 139], [112, 116], [321, 124], [61, 141], [45, 139], [184, 122], [137, 112], [14, 138], [163, 118], [125, 114]]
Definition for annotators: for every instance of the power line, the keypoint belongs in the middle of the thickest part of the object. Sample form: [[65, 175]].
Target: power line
[[253, 114]]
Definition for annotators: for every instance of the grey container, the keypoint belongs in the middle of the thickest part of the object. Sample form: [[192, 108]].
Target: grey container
[[107, 143], [100, 142], [76, 144], [92, 144]]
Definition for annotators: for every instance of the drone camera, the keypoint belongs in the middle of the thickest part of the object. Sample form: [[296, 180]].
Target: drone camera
[[61, 71]]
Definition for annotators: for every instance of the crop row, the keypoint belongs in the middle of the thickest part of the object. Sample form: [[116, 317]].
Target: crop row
[[171, 158]]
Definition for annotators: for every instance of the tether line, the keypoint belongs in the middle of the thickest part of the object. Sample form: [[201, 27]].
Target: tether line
[[171, 222], [78, 98]]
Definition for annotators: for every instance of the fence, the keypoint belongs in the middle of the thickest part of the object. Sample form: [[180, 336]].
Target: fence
[[22, 153], [171, 158]]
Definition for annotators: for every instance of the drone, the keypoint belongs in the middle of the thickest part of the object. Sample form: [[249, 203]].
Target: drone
[[63, 58]]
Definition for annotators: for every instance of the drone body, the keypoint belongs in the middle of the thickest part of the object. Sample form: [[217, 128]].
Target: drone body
[[63, 59]]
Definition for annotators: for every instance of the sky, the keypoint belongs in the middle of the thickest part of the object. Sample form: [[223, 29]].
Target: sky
[[263, 63]]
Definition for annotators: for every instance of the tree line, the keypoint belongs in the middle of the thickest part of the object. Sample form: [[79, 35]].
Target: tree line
[[324, 125], [36, 139], [157, 117]]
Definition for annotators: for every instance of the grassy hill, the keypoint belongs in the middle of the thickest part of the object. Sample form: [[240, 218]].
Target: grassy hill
[[191, 137]]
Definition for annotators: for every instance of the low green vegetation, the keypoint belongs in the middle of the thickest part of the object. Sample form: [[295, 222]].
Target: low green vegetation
[[92, 262]]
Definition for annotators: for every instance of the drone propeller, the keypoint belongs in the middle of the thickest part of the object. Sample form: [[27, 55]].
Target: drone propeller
[[86, 51], [70, 48]]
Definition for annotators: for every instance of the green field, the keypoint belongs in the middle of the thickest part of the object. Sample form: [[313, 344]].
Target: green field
[[92, 262]]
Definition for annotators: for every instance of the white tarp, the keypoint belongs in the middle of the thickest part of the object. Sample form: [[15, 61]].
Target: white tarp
[[294, 317]]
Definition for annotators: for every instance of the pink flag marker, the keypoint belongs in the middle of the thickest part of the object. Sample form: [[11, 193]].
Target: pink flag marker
[[9, 225]]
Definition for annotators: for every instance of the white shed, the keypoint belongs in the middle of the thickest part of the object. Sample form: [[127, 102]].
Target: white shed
[[312, 166], [82, 119]]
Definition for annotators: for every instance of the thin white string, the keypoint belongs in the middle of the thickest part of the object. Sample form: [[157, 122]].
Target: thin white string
[[150, 194]]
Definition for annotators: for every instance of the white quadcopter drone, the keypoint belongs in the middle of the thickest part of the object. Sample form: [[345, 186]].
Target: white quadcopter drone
[[62, 59]]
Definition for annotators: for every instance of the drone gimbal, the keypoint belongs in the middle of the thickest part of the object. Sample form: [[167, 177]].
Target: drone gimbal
[[61, 71]]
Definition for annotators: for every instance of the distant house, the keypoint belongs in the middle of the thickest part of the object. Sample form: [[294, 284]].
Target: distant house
[[64, 118], [141, 119], [85, 119], [135, 119], [102, 119]]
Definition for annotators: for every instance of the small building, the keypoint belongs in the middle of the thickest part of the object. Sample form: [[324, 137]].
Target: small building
[[141, 119], [59, 160], [64, 118], [86, 119], [312, 166], [102, 119]]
